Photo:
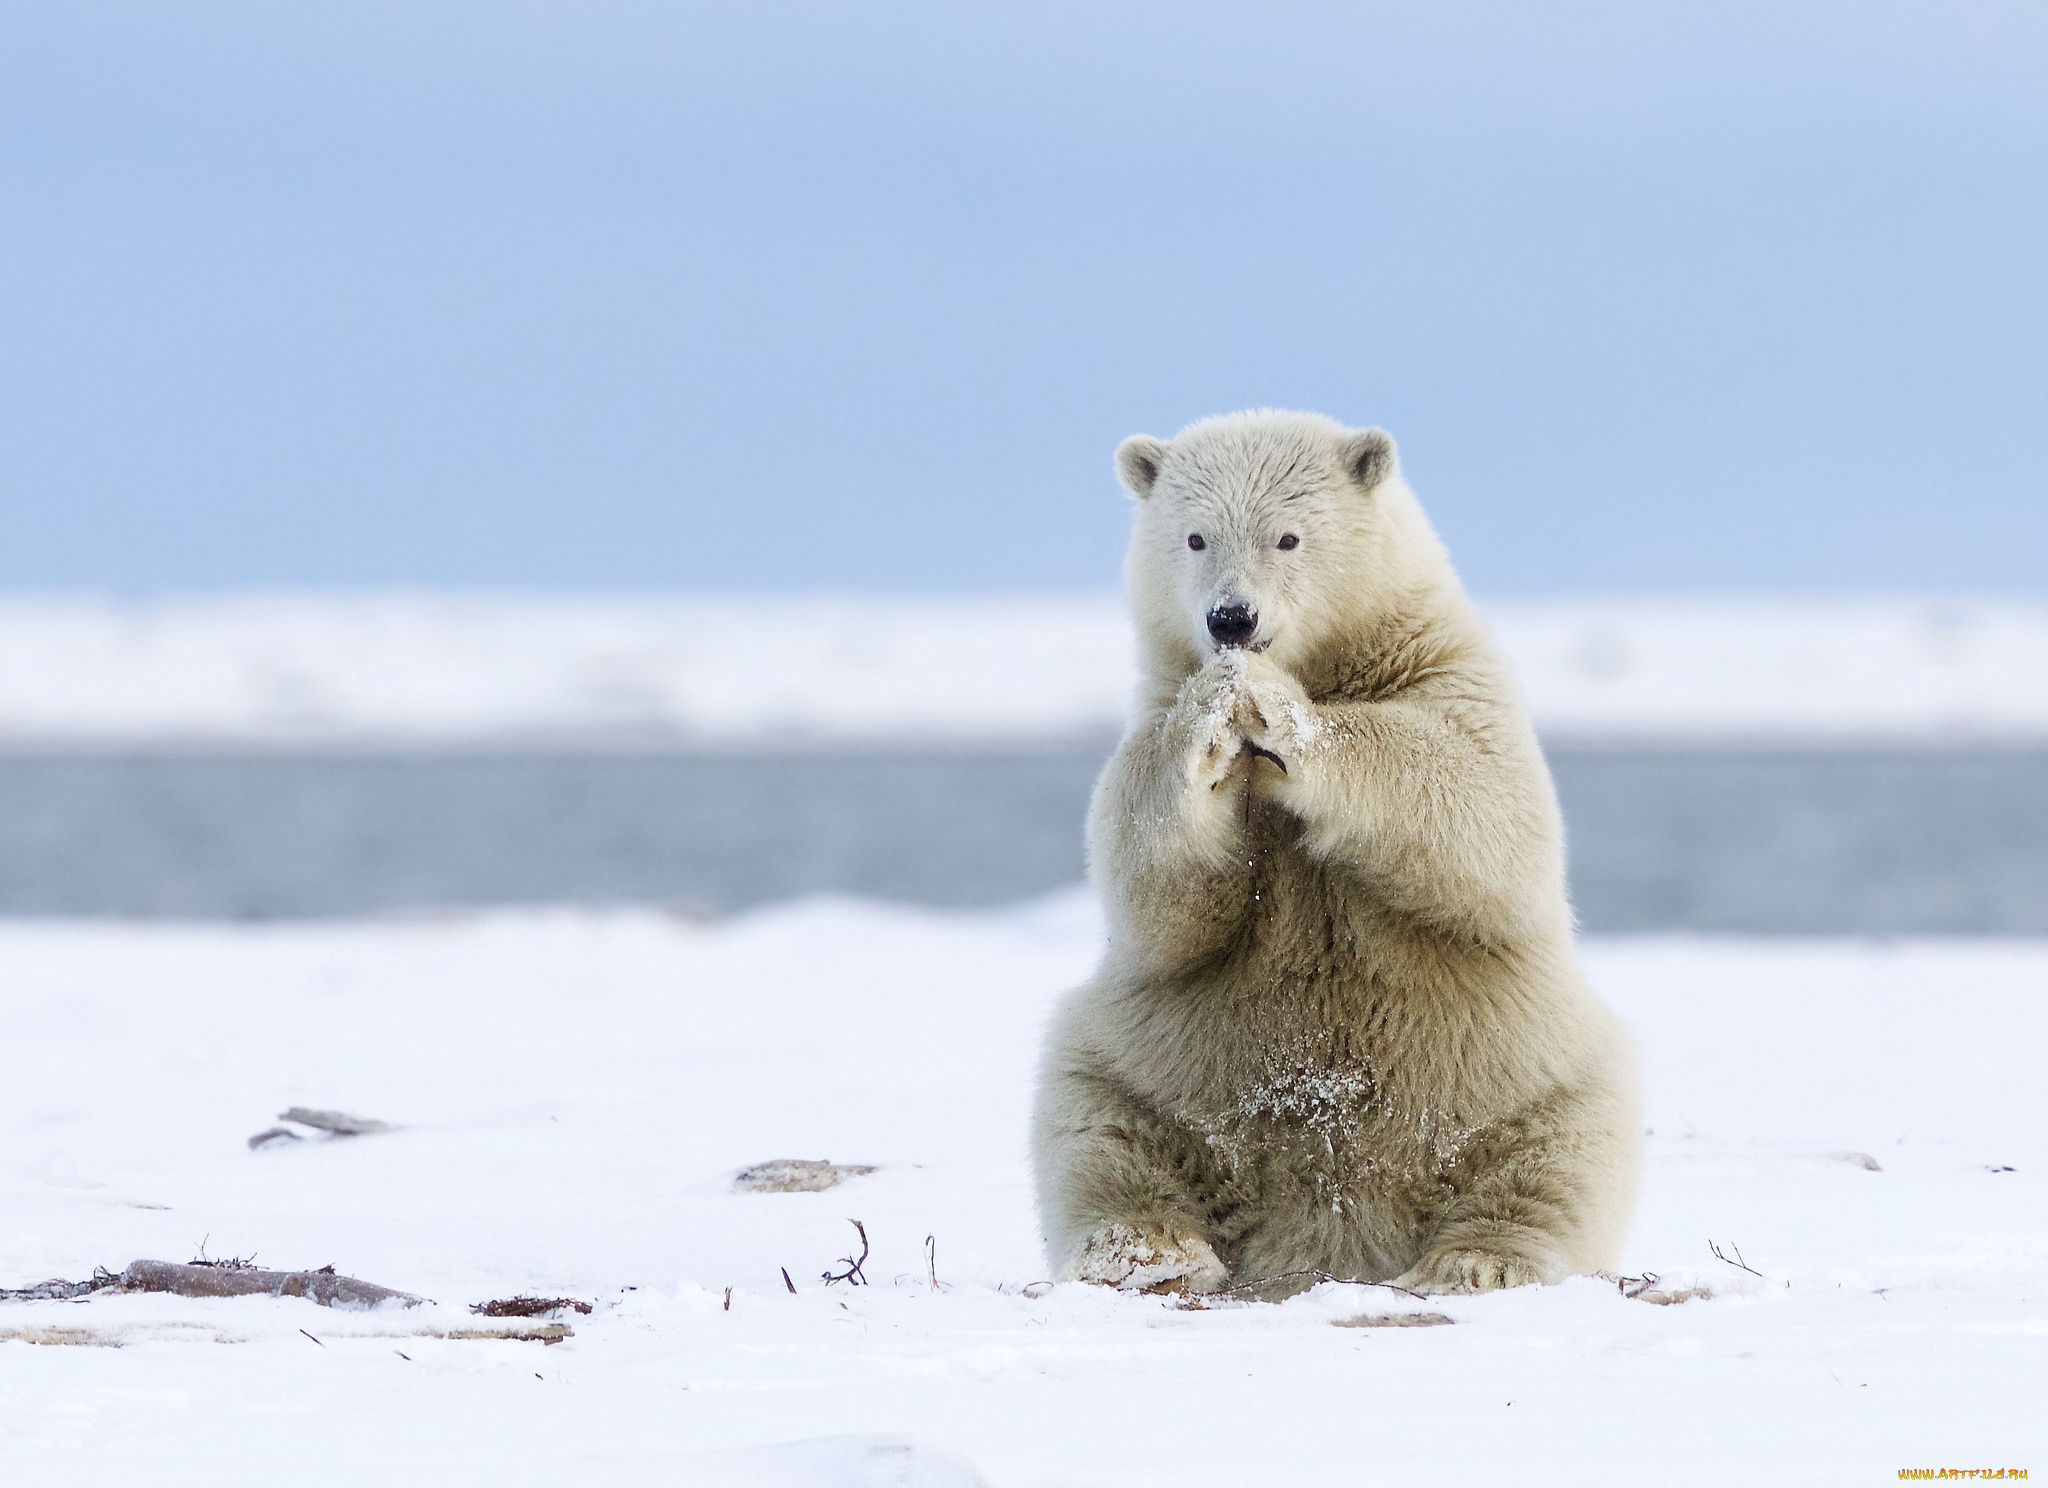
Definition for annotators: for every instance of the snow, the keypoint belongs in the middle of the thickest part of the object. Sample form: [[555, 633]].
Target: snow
[[754, 671], [575, 1092]]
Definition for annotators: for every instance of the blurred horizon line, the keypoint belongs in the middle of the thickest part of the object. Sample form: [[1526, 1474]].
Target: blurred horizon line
[[883, 669], [543, 594]]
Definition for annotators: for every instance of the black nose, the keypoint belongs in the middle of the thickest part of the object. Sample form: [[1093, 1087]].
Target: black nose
[[1233, 625]]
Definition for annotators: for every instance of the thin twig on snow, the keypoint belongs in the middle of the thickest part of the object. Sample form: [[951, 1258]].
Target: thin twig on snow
[[1738, 1262], [852, 1274]]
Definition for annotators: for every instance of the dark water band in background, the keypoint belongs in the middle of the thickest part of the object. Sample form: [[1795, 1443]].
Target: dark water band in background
[[1793, 842]]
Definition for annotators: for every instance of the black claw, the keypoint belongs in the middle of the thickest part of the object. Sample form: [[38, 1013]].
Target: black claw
[[1268, 754]]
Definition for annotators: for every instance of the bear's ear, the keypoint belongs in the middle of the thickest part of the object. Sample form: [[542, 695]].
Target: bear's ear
[[1368, 457], [1137, 464]]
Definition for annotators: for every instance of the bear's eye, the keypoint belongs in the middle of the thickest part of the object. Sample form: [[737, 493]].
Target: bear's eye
[[1289, 542], [1195, 541]]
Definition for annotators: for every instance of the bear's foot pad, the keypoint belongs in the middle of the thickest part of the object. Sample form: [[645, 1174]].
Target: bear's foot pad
[[1148, 1260], [1469, 1270]]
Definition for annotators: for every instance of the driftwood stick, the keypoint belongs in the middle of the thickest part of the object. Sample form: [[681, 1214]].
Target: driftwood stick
[[341, 1123], [58, 1290], [323, 1287]]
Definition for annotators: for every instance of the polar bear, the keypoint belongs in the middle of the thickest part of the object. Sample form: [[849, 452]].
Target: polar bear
[[1340, 1024]]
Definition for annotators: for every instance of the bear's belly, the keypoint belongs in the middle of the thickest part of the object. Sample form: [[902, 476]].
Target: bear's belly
[[1316, 1171], [1322, 1095]]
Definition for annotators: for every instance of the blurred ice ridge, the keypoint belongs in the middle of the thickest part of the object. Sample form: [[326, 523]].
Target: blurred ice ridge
[[828, 672]]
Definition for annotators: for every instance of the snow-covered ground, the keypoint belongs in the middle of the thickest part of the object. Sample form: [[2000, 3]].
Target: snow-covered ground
[[575, 1093], [797, 672]]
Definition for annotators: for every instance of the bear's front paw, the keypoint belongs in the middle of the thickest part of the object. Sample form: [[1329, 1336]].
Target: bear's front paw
[[1212, 762], [1212, 712], [1460, 1270], [1148, 1259], [1278, 721]]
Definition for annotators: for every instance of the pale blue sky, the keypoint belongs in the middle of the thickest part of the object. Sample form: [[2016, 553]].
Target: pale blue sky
[[584, 295]]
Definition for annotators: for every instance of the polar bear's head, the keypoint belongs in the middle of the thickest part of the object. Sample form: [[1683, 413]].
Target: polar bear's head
[[1267, 530]]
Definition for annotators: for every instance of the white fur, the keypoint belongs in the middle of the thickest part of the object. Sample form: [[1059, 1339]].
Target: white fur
[[1340, 1024]]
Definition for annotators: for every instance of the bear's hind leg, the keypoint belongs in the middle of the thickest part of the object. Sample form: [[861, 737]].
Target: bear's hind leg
[[1117, 1190], [1548, 1198]]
